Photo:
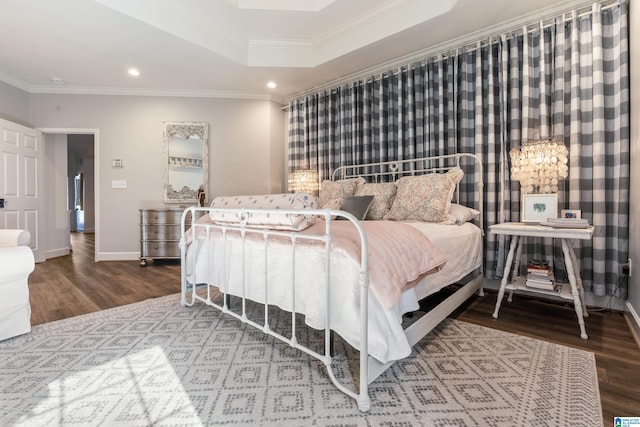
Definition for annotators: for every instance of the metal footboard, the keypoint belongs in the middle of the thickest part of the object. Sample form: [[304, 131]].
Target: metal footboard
[[244, 232], [370, 368]]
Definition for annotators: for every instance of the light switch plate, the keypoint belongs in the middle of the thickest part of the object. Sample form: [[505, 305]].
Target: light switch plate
[[120, 184]]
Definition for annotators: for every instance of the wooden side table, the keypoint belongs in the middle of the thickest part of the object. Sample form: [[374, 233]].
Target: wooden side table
[[573, 292]]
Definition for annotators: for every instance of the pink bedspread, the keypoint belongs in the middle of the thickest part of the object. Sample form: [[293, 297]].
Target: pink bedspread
[[398, 254]]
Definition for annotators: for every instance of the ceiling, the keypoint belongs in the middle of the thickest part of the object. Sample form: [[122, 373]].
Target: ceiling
[[232, 48]]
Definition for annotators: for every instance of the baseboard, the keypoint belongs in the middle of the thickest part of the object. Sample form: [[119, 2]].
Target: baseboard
[[117, 256], [633, 320], [54, 253]]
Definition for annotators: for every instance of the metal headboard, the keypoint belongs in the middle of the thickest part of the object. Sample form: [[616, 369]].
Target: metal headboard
[[392, 170]]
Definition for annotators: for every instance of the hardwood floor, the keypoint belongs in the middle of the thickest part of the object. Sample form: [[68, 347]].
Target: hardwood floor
[[75, 284]]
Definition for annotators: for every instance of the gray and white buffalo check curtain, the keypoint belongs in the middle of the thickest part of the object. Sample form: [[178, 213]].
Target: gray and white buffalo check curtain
[[567, 79]]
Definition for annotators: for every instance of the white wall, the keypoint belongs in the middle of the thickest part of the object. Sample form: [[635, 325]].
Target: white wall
[[243, 137], [633, 303], [278, 164], [57, 216], [14, 104]]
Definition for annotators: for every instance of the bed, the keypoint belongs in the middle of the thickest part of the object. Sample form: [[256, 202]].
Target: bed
[[350, 272]]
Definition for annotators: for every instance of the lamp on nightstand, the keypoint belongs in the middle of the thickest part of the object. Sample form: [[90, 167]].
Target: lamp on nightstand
[[305, 181], [538, 165]]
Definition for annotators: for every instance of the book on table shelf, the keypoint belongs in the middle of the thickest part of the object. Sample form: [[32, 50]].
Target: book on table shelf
[[554, 287], [539, 267], [548, 284], [540, 275], [536, 271]]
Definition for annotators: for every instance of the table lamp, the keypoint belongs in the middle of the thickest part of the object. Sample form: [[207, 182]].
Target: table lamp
[[305, 181], [538, 165]]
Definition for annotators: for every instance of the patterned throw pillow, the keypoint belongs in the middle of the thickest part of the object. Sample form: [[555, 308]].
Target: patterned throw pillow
[[340, 189], [425, 197], [383, 194], [333, 204]]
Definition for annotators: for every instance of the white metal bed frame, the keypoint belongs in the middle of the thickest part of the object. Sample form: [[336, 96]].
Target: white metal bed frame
[[370, 368]]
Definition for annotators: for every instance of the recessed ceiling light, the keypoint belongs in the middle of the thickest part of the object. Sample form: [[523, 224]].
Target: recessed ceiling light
[[133, 72], [271, 85]]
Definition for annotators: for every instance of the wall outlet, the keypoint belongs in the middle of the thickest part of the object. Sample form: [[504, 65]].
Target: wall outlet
[[119, 184]]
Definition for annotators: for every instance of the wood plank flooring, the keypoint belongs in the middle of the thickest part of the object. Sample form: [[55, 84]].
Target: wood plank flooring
[[72, 285]]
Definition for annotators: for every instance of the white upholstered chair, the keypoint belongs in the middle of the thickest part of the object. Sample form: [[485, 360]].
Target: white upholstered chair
[[16, 263]]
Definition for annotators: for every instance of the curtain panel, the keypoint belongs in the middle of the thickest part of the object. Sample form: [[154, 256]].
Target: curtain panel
[[568, 79]]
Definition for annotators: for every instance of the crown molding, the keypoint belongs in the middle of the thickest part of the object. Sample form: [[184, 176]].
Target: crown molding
[[110, 91], [287, 5]]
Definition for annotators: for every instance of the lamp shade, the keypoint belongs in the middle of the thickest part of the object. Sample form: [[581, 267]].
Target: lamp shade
[[539, 165], [304, 180]]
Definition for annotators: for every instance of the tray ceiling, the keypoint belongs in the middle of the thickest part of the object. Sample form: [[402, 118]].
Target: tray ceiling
[[231, 47]]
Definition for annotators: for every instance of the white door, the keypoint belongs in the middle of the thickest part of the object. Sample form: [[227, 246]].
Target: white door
[[21, 182]]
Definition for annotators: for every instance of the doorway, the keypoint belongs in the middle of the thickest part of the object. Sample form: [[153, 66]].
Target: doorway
[[81, 155], [80, 185]]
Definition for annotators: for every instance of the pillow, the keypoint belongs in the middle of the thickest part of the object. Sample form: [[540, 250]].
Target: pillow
[[383, 194], [462, 214], [425, 197], [357, 206], [332, 204], [338, 189], [289, 222]]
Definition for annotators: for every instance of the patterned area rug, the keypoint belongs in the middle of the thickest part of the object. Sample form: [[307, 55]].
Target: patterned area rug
[[156, 363]]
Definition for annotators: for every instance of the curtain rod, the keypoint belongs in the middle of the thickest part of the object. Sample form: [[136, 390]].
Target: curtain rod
[[473, 40]]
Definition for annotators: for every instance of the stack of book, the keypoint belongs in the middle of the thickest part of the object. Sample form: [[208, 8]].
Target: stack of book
[[566, 222], [540, 275]]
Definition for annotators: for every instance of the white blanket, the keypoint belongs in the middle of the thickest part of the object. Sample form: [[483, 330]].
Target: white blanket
[[220, 264]]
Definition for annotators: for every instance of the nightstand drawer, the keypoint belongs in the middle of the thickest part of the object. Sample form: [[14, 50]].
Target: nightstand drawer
[[160, 216], [160, 249], [160, 232]]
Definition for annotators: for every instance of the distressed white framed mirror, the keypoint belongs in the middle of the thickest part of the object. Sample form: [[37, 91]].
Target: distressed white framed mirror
[[186, 148]]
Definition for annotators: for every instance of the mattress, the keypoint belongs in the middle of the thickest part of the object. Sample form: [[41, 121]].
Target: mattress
[[461, 244]]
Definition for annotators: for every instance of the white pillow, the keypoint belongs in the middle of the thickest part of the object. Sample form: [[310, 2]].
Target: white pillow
[[462, 214], [257, 219]]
